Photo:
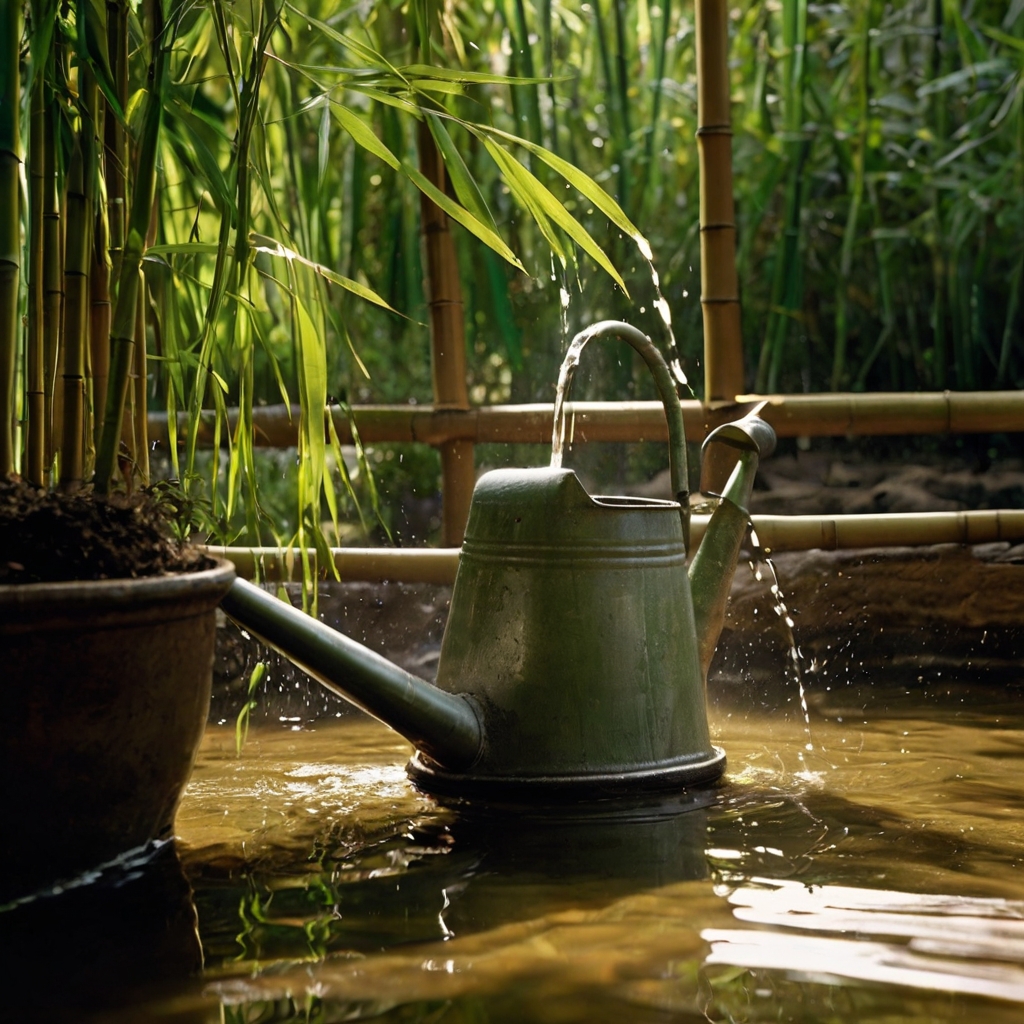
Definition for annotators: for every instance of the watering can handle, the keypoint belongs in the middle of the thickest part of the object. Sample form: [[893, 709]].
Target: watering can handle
[[666, 391]]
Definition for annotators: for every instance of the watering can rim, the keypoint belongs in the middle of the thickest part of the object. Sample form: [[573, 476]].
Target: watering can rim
[[624, 502]]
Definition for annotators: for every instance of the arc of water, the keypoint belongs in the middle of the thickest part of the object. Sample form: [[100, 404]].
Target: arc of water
[[666, 389]]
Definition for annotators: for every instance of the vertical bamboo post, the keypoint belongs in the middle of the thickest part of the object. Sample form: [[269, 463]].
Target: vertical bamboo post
[[140, 379], [447, 344], [99, 318], [35, 371], [10, 223], [53, 278], [720, 301], [76, 317]]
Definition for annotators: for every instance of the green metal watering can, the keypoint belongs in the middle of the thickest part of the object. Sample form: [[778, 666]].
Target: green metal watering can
[[574, 659]]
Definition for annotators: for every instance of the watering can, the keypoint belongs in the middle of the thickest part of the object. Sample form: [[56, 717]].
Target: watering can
[[574, 660]]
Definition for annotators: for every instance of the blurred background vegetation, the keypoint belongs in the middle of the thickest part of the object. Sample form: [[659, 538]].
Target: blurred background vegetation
[[879, 169]]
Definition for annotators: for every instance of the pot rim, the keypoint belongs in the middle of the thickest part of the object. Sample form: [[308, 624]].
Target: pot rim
[[174, 586]]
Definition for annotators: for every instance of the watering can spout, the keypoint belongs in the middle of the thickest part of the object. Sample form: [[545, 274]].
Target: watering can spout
[[443, 726], [731, 454]]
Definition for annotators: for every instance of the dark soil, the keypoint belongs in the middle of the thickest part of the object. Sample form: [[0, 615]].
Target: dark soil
[[52, 537]]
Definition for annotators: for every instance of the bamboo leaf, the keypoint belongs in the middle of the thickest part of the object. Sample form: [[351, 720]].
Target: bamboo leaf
[[324, 145], [963, 77], [464, 183], [555, 210], [462, 216], [579, 180], [261, 243], [471, 77], [363, 135], [528, 201], [186, 249]]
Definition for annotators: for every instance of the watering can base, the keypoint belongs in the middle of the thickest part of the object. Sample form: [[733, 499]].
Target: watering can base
[[667, 777]]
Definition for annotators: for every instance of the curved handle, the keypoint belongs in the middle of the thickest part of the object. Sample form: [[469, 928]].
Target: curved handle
[[666, 391]]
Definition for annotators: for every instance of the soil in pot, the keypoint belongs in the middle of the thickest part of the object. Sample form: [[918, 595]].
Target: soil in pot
[[105, 681]]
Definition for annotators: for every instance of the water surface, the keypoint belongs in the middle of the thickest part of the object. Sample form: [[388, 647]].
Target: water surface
[[877, 877]]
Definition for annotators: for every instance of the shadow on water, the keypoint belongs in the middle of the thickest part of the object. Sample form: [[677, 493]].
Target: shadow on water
[[97, 942]]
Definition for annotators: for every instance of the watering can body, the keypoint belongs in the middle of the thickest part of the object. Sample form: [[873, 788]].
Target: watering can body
[[572, 631], [574, 659]]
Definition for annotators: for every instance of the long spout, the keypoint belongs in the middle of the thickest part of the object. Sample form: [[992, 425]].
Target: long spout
[[443, 726], [743, 443]]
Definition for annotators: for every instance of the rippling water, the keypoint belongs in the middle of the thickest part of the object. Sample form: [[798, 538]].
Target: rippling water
[[878, 878]]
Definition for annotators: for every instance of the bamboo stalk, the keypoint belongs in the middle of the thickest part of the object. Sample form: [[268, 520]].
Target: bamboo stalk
[[720, 302], [447, 342], [10, 224], [76, 288], [787, 285], [115, 141], [77, 267], [122, 332], [35, 355], [839, 371], [775, 533], [99, 318], [820, 415], [140, 378], [53, 279]]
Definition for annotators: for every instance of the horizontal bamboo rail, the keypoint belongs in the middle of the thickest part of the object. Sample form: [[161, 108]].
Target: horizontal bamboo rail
[[775, 533], [819, 415]]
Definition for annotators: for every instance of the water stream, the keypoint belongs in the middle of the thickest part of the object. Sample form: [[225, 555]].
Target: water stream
[[796, 660]]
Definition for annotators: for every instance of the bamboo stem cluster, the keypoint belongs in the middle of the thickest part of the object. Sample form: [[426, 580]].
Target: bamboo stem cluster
[[77, 162]]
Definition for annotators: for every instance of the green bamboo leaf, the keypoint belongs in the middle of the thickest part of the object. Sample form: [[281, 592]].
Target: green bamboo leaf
[[92, 42], [964, 76], [430, 85], [554, 209], [363, 135], [183, 129], [310, 71], [471, 77], [186, 249], [528, 201], [324, 145], [386, 98], [579, 180], [339, 458], [365, 53], [462, 216], [261, 243], [464, 183], [1004, 38]]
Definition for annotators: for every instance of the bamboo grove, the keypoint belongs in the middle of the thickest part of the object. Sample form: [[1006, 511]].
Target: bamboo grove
[[218, 205], [185, 213]]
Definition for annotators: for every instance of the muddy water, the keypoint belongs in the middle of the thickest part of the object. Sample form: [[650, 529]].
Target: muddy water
[[878, 878]]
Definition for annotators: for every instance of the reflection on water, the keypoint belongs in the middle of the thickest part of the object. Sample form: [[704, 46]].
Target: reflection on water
[[877, 878]]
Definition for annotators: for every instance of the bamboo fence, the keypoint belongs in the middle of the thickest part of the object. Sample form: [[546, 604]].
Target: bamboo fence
[[774, 533], [818, 415]]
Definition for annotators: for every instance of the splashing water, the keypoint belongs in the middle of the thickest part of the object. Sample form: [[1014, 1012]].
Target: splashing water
[[565, 375], [675, 363], [796, 658]]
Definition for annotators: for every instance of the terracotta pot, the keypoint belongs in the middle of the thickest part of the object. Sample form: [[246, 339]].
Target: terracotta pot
[[105, 689]]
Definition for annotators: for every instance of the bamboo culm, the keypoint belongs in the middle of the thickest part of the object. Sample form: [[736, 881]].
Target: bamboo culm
[[35, 355], [122, 332], [10, 224]]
